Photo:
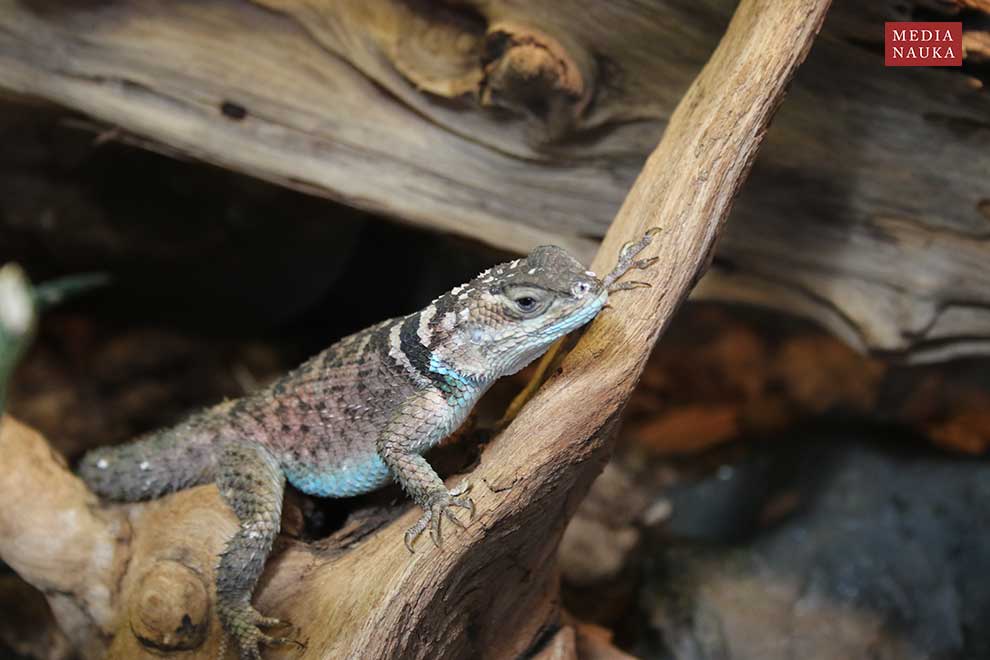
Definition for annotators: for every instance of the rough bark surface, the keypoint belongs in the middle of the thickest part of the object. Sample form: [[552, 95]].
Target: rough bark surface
[[135, 579], [522, 123]]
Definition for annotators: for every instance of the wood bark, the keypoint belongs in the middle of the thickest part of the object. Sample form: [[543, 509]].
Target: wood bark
[[525, 123], [136, 579]]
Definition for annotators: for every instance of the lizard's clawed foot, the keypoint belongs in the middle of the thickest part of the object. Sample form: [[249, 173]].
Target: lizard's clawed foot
[[244, 624], [627, 261], [439, 506]]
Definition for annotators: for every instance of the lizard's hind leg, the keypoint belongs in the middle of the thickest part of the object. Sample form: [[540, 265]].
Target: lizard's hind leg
[[252, 483]]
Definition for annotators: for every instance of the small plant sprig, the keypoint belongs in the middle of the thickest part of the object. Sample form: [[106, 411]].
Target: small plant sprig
[[20, 305]]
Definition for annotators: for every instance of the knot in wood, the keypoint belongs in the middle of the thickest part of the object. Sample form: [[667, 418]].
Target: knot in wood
[[169, 609], [531, 72]]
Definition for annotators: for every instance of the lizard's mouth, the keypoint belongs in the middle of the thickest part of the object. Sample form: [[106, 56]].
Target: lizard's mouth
[[589, 309]]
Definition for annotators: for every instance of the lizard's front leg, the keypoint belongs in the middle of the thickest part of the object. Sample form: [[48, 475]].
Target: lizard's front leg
[[406, 434], [252, 483], [627, 261]]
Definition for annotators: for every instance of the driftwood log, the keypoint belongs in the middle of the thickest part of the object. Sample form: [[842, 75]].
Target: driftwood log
[[521, 123], [135, 581]]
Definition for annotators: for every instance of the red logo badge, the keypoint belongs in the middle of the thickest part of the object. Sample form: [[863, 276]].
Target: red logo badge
[[911, 43]]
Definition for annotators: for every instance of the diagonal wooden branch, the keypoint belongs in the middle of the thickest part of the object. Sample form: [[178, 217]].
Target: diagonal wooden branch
[[491, 591]]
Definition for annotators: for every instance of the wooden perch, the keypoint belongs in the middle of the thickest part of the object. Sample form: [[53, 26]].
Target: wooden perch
[[524, 123], [137, 579]]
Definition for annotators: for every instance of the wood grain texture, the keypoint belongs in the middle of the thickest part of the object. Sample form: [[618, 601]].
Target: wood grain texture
[[492, 590], [525, 123]]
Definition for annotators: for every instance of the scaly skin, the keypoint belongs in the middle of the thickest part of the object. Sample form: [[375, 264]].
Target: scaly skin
[[360, 414]]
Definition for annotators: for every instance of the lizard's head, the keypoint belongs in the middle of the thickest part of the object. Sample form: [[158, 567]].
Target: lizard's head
[[511, 314]]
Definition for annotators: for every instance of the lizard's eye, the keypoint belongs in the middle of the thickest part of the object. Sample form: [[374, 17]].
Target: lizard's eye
[[526, 303]]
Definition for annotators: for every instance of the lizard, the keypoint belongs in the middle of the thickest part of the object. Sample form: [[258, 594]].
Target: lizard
[[359, 415]]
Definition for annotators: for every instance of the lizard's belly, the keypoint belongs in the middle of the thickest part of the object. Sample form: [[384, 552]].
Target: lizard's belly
[[344, 480]]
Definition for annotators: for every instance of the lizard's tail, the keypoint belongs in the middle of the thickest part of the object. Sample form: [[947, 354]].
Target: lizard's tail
[[152, 466]]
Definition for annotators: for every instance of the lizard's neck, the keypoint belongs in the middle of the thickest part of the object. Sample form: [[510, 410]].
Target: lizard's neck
[[458, 378]]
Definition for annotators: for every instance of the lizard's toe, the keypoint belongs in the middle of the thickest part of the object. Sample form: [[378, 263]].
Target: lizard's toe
[[244, 624], [464, 503], [458, 499], [282, 641], [271, 622], [453, 518], [251, 642], [628, 250], [627, 286], [643, 264], [435, 534], [413, 532], [460, 489]]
